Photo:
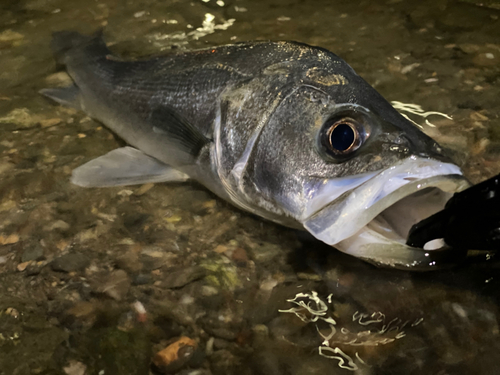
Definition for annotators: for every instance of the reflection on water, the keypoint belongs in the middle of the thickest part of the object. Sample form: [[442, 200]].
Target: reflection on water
[[96, 281]]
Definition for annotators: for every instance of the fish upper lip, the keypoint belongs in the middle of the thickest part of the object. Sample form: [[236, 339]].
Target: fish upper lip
[[346, 215]]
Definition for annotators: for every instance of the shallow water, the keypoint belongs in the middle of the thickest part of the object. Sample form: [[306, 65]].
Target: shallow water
[[73, 260]]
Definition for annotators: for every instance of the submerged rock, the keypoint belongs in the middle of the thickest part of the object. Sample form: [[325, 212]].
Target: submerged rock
[[70, 262]]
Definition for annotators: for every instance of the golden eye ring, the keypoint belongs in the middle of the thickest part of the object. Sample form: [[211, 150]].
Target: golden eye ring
[[343, 137]]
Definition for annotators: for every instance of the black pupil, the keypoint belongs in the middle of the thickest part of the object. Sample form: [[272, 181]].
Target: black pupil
[[342, 137]]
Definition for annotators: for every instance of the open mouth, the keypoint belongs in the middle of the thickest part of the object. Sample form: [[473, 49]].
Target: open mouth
[[373, 220]]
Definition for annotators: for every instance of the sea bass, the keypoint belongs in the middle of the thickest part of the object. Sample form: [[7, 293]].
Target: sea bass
[[283, 130]]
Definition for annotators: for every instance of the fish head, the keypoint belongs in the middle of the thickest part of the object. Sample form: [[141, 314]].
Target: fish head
[[340, 160]]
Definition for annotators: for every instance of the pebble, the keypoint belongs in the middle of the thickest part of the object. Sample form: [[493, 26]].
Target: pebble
[[222, 333], [10, 36], [142, 279], [70, 262], [5, 166], [47, 123], [32, 253], [487, 59], [180, 278], [129, 261], [115, 285], [60, 79], [175, 356], [22, 266], [21, 117], [239, 256], [9, 240], [75, 368], [144, 188], [57, 225]]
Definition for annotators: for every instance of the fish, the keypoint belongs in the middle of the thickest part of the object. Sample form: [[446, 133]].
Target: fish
[[283, 130]]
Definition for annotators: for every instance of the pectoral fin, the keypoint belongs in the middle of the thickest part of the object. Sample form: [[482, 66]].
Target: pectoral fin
[[183, 137], [124, 166], [67, 96]]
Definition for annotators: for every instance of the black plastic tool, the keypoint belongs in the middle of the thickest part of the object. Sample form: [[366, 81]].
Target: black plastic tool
[[469, 221]]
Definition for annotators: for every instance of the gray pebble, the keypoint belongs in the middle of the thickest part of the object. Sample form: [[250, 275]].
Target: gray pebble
[[70, 262], [32, 253], [180, 278]]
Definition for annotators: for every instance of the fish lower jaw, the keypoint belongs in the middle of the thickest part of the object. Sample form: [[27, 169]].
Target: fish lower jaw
[[383, 240]]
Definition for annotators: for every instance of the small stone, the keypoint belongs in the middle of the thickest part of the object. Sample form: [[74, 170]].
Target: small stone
[[144, 188], [487, 59], [115, 285], [50, 122], [221, 249], [222, 333], [309, 276], [70, 262], [9, 240], [221, 344], [75, 368], [209, 291], [60, 79], [265, 253], [260, 330], [239, 256], [142, 279], [5, 166], [12, 312], [209, 204], [180, 278], [22, 266], [21, 117], [129, 261], [175, 356], [32, 253], [57, 225], [10, 36], [125, 193]]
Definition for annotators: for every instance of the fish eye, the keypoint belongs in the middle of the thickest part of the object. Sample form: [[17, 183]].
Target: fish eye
[[342, 136]]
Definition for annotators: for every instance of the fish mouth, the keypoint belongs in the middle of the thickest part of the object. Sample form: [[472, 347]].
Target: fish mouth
[[372, 221]]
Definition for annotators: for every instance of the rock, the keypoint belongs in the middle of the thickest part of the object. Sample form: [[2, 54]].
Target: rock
[[32, 253], [5, 166], [9, 240], [180, 278], [224, 362], [222, 333], [75, 368], [21, 117], [47, 123], [70, 263], [10, 36], [142, 279], [22, 266], [175, 356], [487, 59], [265, 253], [129, 261], [240, 257], [57, 225], [60, 79], [115, 285]]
